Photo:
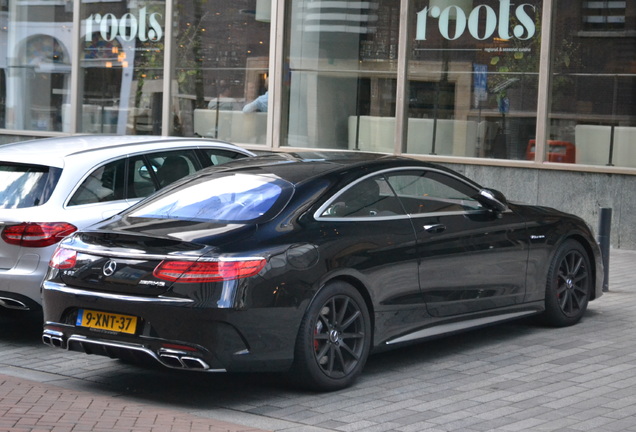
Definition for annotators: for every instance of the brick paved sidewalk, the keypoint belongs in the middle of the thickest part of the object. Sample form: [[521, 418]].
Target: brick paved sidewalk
[[28, 406]]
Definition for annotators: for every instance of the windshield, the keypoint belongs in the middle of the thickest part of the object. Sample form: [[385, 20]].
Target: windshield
[[24, 185], [228, 198]]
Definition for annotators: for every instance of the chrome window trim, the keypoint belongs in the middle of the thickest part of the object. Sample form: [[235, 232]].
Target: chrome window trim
[[448, 213], [318, 213], [363, 218]]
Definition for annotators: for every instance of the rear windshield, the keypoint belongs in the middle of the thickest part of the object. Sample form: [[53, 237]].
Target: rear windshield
[[227, 198], [24, 185]]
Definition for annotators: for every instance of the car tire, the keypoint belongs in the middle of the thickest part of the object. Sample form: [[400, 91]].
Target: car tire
[[334, 339], [568, 286]]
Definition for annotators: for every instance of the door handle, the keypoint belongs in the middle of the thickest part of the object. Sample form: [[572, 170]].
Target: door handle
[[435, 228]]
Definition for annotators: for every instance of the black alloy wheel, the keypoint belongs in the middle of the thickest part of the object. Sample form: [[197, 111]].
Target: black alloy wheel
[[568, 287], [334, 339]]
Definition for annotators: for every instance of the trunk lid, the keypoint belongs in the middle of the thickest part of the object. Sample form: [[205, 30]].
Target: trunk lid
[[123, 263]]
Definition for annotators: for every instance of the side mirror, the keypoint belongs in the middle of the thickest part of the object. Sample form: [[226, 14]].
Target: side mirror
[[493, 199]]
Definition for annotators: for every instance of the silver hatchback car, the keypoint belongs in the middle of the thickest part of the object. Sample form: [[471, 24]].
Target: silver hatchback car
[[50, 188]]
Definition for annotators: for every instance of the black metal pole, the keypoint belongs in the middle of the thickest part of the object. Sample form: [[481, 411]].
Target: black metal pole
[[358, 90], [604, 228], [610, 162], [435, 114], [216, 119]]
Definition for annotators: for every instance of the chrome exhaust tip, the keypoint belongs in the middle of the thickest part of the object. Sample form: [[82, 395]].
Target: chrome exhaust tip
[[170, 361], [181, 360], [10, 303], [194, 363], [54, 339]]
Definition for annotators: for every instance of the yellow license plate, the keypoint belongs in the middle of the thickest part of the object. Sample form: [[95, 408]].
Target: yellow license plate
[[106, 321]]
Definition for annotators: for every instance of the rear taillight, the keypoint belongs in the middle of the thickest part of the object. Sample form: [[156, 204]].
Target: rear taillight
[[63, 259], [208, 271], [37, 234]]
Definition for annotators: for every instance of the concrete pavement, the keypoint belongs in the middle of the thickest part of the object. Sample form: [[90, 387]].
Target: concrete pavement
[[512, 377]]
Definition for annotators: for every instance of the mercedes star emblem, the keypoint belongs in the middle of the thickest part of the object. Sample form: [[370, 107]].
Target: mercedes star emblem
[[109, 268]]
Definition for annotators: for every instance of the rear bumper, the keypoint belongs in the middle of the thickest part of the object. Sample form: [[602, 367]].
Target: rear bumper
[[20, 286], [168, 357], [174, 332]]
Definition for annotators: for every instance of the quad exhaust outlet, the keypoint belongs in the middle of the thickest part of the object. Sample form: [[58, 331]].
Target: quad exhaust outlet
[[171, 358]]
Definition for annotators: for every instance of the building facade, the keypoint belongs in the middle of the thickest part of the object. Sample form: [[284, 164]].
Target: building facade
[[536, 98]]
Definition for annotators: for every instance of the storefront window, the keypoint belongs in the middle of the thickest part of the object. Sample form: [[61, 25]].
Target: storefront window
[[461, 76], [340, 74], [593, 84], [121, 75], [35, 59], [473, 73], [221, 63]]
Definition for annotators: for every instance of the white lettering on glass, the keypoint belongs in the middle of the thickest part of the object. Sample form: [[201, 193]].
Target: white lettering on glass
[[524, 30], [146, 27], [526, 21]]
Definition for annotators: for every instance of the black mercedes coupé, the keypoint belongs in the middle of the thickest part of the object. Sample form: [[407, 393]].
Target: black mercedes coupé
[[307, 263]]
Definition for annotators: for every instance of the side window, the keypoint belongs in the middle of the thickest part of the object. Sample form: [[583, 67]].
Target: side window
[[219, 156], [170, 166], [369, 198], [141, 183], [432, 192], [106, 183]]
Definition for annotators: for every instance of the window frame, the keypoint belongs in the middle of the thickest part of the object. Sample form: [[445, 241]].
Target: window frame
[[89, 174], [319, 214]]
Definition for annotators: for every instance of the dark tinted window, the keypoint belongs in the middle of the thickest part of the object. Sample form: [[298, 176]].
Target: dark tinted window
[[170, 166], [217, 156], [23, 185], [227, 198], [432, 192], [106, 183], [140, 178], [369, 198]]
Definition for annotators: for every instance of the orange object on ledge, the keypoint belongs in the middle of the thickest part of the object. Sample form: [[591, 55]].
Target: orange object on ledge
[[559, 151]]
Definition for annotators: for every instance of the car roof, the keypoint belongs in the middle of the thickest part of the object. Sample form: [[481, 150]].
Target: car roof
[[53, 151], [303, 167]]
